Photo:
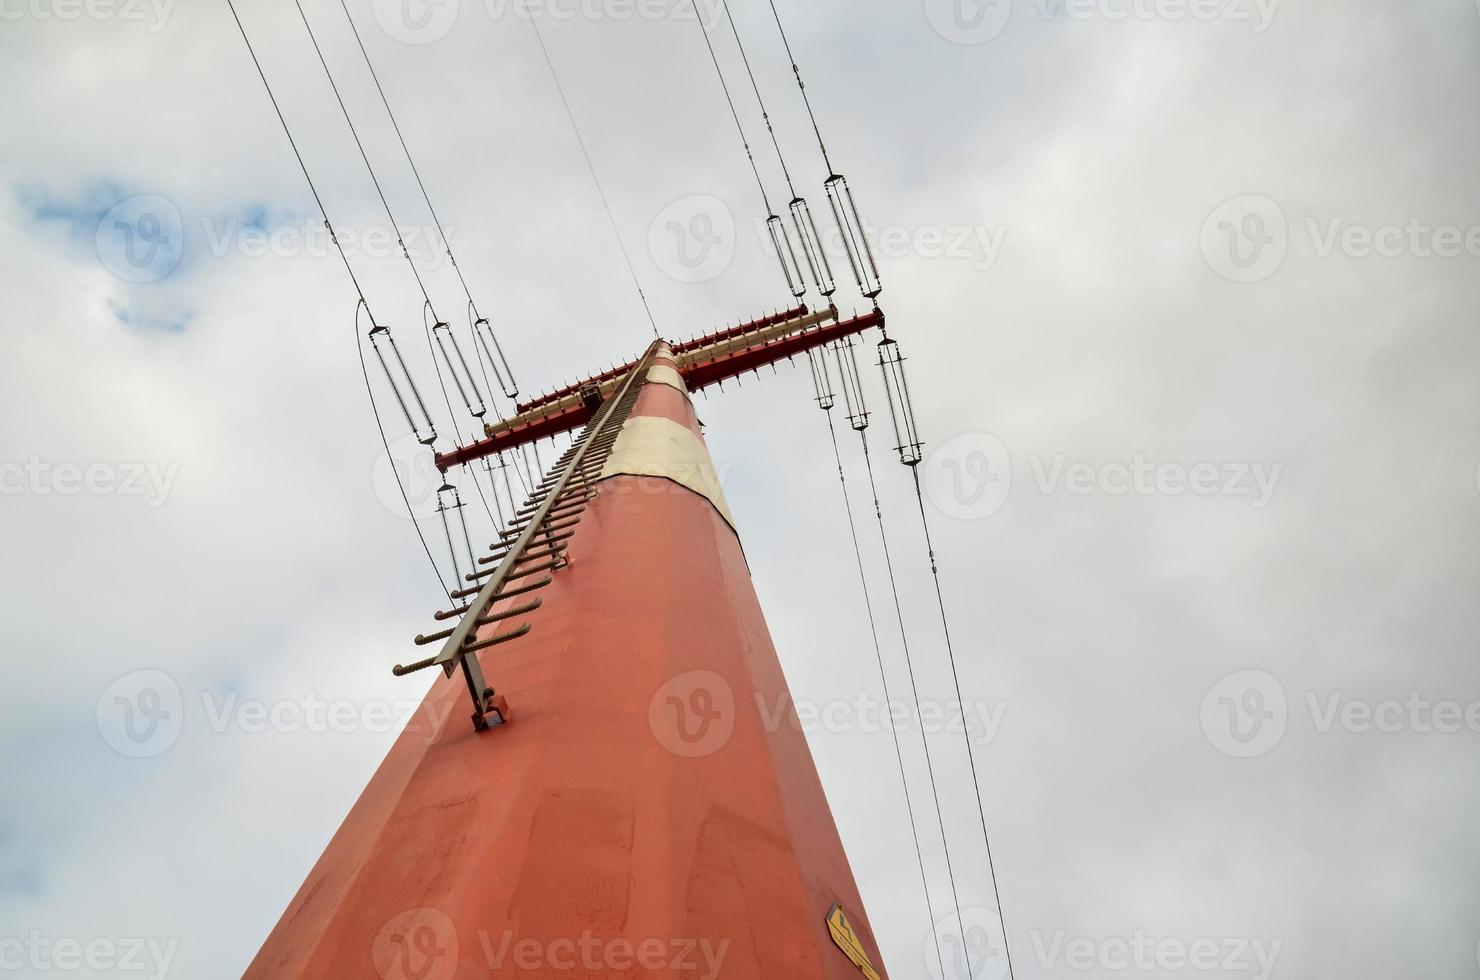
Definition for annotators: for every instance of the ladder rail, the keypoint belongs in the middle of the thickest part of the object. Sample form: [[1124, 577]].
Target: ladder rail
[[466, 632]]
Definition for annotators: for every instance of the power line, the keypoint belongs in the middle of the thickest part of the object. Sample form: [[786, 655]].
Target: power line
[[390, 460], [430, 328], [801, 212], [775, 141], [366, 157], [884, 678], [730, 100], [363, 302], [438, 322], [511, 389], [797, 70], [914, 688], [840, 196], [407, 149], [299, 156], [780, 238], [591, 166], [911, 453], [970, 752]]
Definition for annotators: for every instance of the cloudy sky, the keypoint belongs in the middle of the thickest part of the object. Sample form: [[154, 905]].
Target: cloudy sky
[[1190, 295]]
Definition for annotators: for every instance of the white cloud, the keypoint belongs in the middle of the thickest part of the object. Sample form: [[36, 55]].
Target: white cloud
[[1100, 333]]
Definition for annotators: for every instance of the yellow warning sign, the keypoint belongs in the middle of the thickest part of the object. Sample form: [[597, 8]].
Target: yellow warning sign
[[848, 941]]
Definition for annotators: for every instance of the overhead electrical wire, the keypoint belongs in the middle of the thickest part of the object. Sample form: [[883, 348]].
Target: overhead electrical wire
[[914, 687], [839, 195], [591, 166], [505, 378], [879, 655], [780, 238], [911, 449], [806, 99], [362, 304], [359, 144], [801, 213], [433, 344], [439, 332], [866, 272], [865, 269], [845, 353], [970, 752]]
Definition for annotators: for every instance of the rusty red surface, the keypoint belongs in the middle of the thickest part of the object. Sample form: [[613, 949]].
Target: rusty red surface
[[696, 343], [718, 369], [642, 816], [697, 376]]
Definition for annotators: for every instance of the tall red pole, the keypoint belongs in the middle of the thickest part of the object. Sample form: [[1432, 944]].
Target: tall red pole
[[643, 814]]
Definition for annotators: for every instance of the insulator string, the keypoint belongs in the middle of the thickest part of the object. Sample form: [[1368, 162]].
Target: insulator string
[[391, 461], [801, 213], [512, 387], [780, 238], [363, 302], [395, 226], [840, 195]]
